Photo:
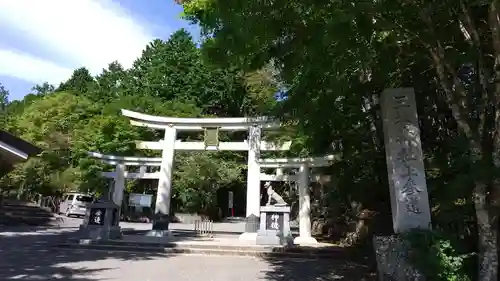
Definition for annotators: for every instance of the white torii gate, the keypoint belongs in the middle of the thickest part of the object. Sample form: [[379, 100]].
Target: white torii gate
[[303, 179], [121, 173], [171, 125]]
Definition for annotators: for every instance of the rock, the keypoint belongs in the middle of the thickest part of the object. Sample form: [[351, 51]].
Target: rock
[[392, 255]]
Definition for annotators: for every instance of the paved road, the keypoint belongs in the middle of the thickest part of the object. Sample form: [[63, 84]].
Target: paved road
[[26, 254]]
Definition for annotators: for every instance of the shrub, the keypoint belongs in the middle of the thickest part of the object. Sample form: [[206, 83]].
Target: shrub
[[436, 257]]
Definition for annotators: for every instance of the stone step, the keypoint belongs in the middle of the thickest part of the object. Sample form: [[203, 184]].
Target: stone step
[[22, 206], [27, 214], [234, 219], [199, 243], [210, 243], [28, 219], [196, 249], [183, 232], [10, 220], [14, 212]]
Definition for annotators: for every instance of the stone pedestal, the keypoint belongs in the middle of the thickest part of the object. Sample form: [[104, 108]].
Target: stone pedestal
[[392, 254], [274, 226], [160, 226], [305, 240], [101, 221], [252, 223], [161, 221]]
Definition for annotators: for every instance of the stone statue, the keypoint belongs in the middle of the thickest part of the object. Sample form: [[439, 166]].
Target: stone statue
[[272, 195]]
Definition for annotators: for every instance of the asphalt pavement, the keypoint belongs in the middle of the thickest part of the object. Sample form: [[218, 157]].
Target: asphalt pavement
[[27, 253]]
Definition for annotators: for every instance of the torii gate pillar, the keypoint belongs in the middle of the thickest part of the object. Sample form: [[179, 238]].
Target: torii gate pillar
[[119, 184], [161, 217], [253, 174], [305, 236], [304, 165]]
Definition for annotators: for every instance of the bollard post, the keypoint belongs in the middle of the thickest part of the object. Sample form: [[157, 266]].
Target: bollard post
[[204, 227]]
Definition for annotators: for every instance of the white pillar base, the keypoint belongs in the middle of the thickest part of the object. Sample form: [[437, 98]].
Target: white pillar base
[[159, 233], [304, 240], [248, 237]]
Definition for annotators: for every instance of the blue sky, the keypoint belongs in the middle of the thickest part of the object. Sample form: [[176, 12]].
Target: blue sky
[[46, 40]]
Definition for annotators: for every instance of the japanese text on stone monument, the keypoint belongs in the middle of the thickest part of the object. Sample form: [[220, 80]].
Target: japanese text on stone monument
[[408, 153]]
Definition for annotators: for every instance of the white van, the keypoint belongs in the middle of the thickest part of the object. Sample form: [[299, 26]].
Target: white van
[[75, 204]]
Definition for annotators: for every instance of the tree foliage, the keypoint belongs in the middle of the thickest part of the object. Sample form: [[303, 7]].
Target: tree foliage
[[335, 58], [170, 78], [199, 178], [328, 61]]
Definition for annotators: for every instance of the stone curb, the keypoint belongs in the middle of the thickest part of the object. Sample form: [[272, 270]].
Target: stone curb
[[199, 244], [180, 232], [235, 251]]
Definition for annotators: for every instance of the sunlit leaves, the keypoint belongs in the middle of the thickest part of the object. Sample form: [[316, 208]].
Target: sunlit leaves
[[198, 178]]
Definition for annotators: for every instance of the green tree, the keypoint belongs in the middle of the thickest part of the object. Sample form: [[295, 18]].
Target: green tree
[[80, 82], [4, 98], [4, 101], [109, 84], [169, 69], [51, 121], [43, 89], [170, 78], [448, 51], [198, 178]]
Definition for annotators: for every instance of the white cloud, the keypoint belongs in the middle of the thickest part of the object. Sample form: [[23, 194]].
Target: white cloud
[[90, 33], [29, 68]]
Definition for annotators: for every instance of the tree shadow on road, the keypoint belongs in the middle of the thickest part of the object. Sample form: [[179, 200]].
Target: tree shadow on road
[[27, 255], [345, 264]]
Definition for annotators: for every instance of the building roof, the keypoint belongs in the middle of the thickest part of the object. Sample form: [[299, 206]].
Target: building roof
[[14, 150]]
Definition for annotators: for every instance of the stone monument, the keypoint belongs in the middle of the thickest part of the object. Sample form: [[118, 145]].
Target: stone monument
[[101, 221], [408, 189], [274, 226]]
